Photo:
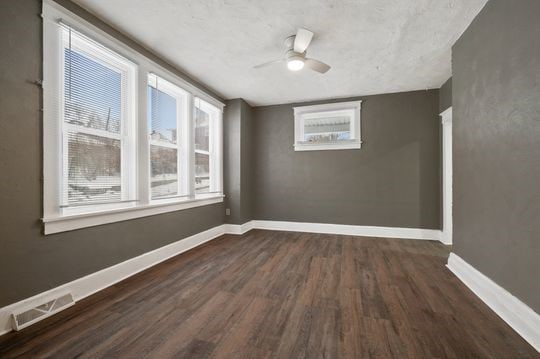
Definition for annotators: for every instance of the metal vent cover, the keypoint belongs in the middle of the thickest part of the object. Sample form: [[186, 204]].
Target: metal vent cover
[[28, 316]]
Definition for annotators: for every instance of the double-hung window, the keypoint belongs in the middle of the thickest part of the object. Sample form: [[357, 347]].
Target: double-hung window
[[97, 101], [122, 136], [168, 140], [207, 144]]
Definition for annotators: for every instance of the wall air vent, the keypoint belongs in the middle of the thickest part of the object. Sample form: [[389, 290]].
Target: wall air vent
[[28, 316]]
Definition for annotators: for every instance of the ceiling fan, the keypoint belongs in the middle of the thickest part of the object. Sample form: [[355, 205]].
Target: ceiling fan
[[295, 55]]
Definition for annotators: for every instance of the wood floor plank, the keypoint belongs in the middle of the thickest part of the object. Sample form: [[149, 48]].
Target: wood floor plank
[[236, 342], [270, 294], [294, 341]]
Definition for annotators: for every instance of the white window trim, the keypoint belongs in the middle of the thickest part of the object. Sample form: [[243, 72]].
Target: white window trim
[[53, 218], [353, 108], [77, 221]]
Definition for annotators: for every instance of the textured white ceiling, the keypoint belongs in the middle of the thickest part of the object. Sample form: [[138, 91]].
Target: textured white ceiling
[[373, 46]]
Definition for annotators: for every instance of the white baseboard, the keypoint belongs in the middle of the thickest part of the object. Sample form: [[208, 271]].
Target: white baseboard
[[92, 283], [238, 228], [524, 320], [367, 231], [446, 238]]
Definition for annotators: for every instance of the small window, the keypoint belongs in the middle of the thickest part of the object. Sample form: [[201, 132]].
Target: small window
[[207, 144], [334, 126], [167, 125]]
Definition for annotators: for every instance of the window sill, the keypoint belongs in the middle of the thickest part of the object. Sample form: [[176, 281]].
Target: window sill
[[71, 222], [345, 145]]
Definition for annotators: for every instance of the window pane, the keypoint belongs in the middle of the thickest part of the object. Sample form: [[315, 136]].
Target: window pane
[[92, 93], [93, 169], [162, 115], [206, 165], [202, 130], [330, 129], [202, 173], [164, 171]]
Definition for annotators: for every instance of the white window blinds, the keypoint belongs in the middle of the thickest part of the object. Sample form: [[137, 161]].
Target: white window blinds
[[97, 95]]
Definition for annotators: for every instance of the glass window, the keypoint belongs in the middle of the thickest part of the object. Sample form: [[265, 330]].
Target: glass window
[[123, 137], [166, 123], [94, 169], [163, 171], [332, 126], [206, 147], [329, 129], [95, 122]]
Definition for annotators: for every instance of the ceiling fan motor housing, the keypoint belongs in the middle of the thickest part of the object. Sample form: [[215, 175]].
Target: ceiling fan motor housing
[[289, 42], [290, 54], [293, 55]]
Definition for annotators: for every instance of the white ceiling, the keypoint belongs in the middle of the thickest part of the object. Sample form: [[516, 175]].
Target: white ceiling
[[373, 46]]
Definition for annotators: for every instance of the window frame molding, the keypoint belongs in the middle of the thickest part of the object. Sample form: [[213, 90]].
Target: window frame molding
[[53, 218], [300, 112]]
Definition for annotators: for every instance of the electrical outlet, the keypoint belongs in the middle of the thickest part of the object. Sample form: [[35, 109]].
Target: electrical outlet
[[227, 211]]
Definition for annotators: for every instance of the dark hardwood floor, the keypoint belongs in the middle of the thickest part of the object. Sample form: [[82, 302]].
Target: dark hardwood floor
[[282, 295]]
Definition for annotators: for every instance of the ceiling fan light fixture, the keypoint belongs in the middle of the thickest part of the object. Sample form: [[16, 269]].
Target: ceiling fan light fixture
[[295, 55], [295, 64]]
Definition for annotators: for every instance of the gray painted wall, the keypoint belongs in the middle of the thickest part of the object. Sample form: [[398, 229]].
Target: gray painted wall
[[445, 95], [232, 131], [393, 180], [238, 178], [496, 119], [247, 147], [30, 262]]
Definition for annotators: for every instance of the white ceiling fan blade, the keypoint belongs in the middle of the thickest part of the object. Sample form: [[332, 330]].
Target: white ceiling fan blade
[[302, 40], [316, 65], [268, 63]]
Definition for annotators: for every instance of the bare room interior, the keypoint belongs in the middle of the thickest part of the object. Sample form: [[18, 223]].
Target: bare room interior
[[270, 179]]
